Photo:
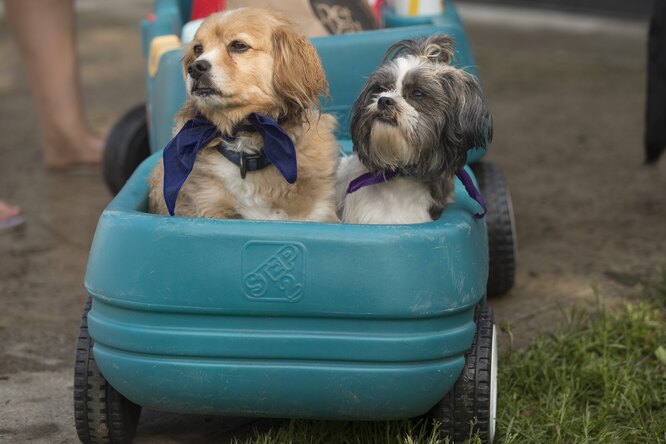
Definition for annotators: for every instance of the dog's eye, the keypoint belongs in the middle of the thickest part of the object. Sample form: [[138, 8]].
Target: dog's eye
[[417, 94], [198, 50], [238, 46]]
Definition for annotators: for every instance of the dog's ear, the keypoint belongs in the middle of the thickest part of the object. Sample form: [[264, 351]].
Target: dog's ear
[[468, 121], [188, 56], [436, 48], [298, 76], [359, 125]]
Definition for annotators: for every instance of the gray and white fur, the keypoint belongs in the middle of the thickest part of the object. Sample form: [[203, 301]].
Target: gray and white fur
[[418, 115]]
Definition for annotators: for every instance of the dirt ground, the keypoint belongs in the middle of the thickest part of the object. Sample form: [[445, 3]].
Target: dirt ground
[[568, 110]]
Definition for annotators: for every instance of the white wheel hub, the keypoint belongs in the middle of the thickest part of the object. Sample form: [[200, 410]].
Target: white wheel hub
[[493, 387]]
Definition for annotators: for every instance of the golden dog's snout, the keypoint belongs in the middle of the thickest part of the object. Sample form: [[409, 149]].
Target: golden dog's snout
[[197, 68]]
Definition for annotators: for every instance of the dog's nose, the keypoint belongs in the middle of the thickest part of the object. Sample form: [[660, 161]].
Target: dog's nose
[[385, 102], [197, 68]]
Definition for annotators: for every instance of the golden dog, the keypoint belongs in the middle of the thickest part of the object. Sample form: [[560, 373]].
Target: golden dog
[[248, 61]]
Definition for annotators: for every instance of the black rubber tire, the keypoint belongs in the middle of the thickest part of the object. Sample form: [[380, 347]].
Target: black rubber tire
[[466, 409], [501, 228], [126, 147], [101, 414]]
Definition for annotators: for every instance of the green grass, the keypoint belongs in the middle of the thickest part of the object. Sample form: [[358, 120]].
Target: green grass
[[332, 432], [600, 379]]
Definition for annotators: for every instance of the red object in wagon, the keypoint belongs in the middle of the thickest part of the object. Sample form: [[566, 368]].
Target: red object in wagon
[[204, 8]]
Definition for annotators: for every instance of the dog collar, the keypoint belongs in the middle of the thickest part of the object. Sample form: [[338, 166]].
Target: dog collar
[[367, 179], [245, 162], [181, 151], [473, 192]]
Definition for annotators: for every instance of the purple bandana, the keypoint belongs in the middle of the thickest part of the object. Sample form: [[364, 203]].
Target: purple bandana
[[472, 191], [367, 179]]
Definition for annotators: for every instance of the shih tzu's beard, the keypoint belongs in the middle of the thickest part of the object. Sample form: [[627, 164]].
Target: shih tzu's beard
[[390, 141], [389, 148]]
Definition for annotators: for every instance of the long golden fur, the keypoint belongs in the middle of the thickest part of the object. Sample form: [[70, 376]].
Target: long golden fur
[[259, 63]]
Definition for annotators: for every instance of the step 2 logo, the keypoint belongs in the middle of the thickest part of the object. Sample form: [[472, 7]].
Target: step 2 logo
[[273, 271]]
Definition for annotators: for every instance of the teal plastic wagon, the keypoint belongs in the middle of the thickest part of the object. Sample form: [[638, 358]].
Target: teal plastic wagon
[[289, 319]]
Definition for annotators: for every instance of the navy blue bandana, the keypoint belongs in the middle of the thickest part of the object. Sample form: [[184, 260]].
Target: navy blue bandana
[[181, 152]]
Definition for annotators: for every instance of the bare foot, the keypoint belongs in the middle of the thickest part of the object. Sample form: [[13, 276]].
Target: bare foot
[[84, 149], [8, 211], [10, 216]]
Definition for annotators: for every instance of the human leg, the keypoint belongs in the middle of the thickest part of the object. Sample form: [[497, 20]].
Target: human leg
[[655, 115], [45, 33]]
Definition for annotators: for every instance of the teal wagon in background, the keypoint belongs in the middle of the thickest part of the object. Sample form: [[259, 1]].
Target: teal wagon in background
[[288, 319]]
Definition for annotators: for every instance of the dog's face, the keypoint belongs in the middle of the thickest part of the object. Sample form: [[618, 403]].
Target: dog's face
[[419, 115], [252, 60]]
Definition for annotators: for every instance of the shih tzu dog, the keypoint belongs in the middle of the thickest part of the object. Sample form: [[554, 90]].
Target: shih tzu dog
[[412, 125], [251, 142]]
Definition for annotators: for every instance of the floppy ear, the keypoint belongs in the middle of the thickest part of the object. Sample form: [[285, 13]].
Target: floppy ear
[[298, 77], [468, 120], [188, 57], [359, 126]]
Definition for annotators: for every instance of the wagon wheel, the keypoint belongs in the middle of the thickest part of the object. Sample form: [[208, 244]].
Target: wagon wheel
[[102, 415], [470, 406], [501, 228], [126, 147]]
